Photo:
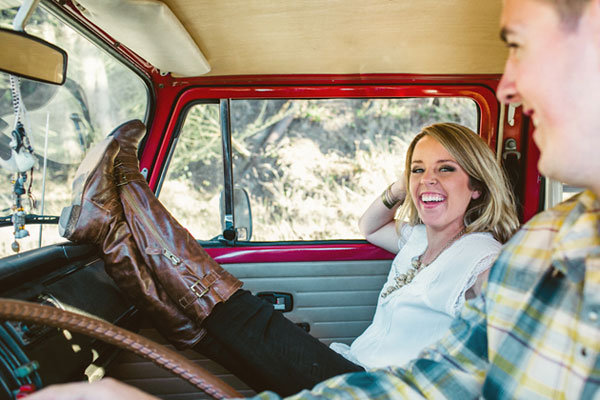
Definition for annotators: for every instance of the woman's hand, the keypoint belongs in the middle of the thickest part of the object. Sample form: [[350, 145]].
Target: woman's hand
[[106, 389], [398, 190], [377, 223]]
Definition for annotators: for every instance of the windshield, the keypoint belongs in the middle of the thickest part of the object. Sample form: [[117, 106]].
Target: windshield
[[62, 122]]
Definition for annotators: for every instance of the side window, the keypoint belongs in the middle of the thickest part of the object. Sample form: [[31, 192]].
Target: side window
[[62, 123], [310, 167], [557, 192], [194, 179]]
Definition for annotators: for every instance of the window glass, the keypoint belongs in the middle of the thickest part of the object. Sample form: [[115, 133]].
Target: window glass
[[569, 191], [194, 179], [62, 122], [310, 167], [557, 192]]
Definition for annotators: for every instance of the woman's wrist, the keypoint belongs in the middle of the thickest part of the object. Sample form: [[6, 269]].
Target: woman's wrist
[[389, 199]]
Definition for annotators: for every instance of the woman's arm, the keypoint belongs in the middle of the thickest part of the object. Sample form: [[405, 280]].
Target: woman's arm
[[481, 273], [377, 223], [475, 290]]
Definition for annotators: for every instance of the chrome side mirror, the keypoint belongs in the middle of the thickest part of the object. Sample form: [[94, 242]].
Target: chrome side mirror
[[241, 211], [32, 58]]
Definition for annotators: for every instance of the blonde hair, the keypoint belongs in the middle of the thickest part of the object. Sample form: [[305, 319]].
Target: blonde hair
[[494, 210]]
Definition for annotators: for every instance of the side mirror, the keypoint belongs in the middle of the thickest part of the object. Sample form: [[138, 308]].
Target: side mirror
[[241, 212], [31, 57]]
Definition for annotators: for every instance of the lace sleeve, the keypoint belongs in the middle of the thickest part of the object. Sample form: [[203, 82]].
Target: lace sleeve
[[403, 232], [483, 265]]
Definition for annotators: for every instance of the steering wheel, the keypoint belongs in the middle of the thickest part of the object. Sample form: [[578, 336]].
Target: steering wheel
[[18, 310]]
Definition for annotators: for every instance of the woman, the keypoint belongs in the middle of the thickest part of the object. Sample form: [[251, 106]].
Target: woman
[[458, 202], [450, 228]]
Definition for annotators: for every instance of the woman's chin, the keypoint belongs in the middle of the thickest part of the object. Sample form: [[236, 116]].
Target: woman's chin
[[441, 222], [432, 215], [432, 222]]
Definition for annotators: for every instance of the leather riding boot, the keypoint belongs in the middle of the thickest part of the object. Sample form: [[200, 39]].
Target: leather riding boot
[[190, 276], [96, 216], [126, 266]]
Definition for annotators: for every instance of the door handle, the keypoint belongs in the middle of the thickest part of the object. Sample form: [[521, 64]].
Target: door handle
[[283, 302]]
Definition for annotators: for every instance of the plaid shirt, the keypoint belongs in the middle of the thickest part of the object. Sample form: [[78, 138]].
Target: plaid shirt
[[534, 335]]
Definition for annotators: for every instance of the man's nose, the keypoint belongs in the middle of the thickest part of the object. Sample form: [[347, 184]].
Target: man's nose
[[507, 89]]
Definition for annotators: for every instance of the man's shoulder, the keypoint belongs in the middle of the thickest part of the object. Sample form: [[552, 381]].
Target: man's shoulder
[[553, 218], [530, 249]]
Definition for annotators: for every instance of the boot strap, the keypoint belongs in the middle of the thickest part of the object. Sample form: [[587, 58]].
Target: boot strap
[[198, 289], [123, 178]]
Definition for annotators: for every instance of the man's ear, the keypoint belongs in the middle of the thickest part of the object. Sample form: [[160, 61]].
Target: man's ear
[[475, 194]]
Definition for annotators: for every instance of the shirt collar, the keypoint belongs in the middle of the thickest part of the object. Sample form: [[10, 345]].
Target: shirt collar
[[578, 240], [590, 201]]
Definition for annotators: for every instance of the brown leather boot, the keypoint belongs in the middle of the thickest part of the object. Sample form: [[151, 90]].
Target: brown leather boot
[[96, 216], [192, 278], [126, 266]]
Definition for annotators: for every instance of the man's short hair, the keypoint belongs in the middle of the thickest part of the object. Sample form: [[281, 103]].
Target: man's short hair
[[569, 11]]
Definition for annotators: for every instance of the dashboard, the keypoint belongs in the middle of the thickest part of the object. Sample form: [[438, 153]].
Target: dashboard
[[69, 277]]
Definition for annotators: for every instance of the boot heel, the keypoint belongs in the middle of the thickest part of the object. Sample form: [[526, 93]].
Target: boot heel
[[68, 220]]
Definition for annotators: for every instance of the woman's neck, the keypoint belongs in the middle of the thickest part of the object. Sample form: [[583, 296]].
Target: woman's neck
[[438, 240]]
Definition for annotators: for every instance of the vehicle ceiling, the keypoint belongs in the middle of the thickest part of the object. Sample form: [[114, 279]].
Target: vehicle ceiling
[[254, 37]]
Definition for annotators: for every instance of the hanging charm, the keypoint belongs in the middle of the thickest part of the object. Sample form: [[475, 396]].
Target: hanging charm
[[22, 156], [18, 217], [21, 160]]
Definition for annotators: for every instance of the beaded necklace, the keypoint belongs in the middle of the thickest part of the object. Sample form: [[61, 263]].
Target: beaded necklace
[[416, 265]]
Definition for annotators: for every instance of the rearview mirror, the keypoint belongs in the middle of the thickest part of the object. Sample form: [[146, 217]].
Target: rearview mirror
[[31, 57]]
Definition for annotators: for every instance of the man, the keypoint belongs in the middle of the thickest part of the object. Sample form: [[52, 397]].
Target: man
[[536, 333]]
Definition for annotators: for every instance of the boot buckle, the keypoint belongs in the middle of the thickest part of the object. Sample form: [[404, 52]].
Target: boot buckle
[[199, 289], [121, 179], [123, 176]]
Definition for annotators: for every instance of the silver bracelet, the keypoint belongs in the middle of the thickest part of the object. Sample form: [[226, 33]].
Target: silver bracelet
[[388, 199]]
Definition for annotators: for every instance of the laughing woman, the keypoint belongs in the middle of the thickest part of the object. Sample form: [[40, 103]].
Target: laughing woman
[[446, 226], [455, 212]]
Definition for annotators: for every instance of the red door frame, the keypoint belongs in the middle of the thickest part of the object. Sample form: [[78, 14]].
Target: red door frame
[[174, 95]]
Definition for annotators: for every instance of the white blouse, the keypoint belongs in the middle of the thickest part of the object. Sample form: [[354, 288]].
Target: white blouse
[[418, 314]]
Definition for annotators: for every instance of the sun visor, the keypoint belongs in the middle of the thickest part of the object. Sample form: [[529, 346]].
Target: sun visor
[[151, 30]]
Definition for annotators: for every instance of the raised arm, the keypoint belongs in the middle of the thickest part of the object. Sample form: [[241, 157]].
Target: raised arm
[[377, 224]]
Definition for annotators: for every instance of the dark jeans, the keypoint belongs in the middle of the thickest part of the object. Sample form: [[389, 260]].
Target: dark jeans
[[265, 349]]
